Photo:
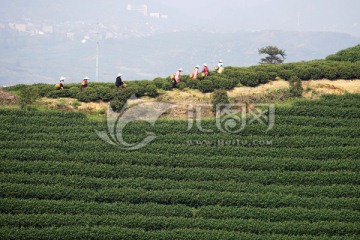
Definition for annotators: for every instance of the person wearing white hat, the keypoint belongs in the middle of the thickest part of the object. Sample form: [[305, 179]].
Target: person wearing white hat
[[195, 72], [220, 66], [84, 83], [62, 83], [205, 70], [177, 77], [118, 81]]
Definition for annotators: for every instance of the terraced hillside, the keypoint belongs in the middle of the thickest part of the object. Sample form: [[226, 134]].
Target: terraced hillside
[[299, 180]]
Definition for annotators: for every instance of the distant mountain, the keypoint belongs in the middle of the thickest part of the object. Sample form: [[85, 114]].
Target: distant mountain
[[34, 59]]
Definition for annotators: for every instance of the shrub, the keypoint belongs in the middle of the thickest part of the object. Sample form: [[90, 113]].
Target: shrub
[[356, 68], [117, 104], [289, 66], [124, 94], [286, 74], [167, 85], [159, 82], [315, 73], [163, 83], [74, 92], [303, 73], [44, 89], [262, 76], [329, 72], [151, 91], [250, 79], [193, 84], [28, 96], [206, 86], [272, 75], [59, 93], [295, 86], [218, 98], [144, 88], [351, 54], [223, 83], [106, 94], [140, 90], [346, 71], [89, 94], [182, 85], [237, 74]]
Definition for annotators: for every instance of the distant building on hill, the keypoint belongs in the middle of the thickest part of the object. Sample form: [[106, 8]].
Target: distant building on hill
[[143, 9]]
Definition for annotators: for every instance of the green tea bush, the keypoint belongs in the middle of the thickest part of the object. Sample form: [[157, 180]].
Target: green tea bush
[[194, 84], [145, 88], [59, 93], [329, 72], [163, 83], [315, 73], [182, 85], [221, 82], [295, 86], [346, 71], [206, 86], [219, 97], [151, 91], [303, 73], [351, 54], [272, 76], [105, 93], [158, 82], [74, 92], [28, 96], [89, 94], [263, 77], [117, 104], [124, 94], [250, 79], [286, 74], [44, 89]]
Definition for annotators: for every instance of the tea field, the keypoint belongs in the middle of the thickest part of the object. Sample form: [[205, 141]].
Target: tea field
[[298, 180]]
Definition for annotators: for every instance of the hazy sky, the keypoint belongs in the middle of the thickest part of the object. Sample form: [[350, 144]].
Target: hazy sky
[[304, 15], [227, 15], [145, 47]]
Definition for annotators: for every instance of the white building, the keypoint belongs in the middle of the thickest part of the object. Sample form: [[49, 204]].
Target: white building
[[138, 8]]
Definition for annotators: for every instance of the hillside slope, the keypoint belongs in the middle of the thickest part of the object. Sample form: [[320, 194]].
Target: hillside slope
[[298, 180]]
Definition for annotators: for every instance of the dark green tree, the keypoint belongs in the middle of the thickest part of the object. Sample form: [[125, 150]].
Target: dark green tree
[[274, 55]]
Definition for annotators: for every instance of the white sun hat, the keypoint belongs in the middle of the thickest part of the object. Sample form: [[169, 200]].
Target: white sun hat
[[62, 78], [86, 78], [180, 69]]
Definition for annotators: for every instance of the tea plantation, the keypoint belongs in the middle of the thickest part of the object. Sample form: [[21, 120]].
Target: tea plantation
[[299, 180]]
